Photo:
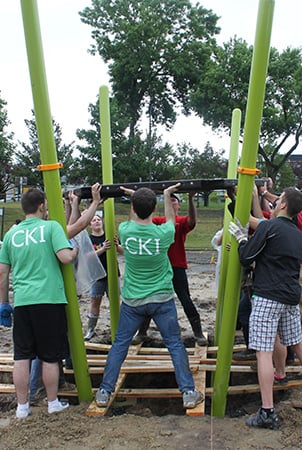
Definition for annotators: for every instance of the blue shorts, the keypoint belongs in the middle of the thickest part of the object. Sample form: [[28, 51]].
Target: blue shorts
[[269, 318]]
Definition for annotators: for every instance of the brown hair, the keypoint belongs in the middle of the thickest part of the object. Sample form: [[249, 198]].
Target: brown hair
[[31, 200], [143, 202], [293, 199]]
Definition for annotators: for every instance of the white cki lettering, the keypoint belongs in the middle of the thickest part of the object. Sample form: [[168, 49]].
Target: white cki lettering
[[143, 247], [23, 238]]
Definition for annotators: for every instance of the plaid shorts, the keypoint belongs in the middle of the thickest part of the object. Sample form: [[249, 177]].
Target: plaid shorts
[[269, 318]]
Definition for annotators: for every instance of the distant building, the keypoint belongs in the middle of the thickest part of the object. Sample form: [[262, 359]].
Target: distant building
[[295, 162]]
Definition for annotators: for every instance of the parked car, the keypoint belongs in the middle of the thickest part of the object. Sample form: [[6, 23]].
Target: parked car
[[124, 199]]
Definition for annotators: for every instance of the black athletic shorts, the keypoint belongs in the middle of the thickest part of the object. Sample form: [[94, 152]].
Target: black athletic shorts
[[40, 330]]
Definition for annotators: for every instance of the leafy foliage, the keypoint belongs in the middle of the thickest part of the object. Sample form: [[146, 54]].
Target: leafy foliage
[[155, 52], [28, 156], [134, 158], [225, 87], [7, 148]]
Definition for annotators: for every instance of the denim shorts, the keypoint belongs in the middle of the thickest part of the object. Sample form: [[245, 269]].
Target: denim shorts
[[99, 288], [269, 318]]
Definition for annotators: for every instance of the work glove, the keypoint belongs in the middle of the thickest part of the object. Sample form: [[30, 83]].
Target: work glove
[[239, 232], [6, 312]]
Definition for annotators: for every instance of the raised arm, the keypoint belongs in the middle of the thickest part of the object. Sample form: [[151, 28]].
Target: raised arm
[[192, 213], [169, 210], [75, 213], [129, 192], [85, 219]]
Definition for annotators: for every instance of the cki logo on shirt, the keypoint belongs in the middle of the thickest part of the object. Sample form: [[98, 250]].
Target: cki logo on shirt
[[137, 246], [22, 238]]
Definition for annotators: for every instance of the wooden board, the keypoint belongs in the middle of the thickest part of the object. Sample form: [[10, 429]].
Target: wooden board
[[200, 383], [94, 410]]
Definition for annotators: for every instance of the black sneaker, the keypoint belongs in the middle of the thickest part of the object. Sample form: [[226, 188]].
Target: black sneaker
[[201, 340], [263, 420]]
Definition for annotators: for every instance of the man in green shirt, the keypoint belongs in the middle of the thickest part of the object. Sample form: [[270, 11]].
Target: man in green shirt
[[33, 251], [148, 292]]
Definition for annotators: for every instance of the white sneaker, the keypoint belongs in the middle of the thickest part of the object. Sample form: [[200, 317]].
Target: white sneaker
[[22, 413], [57, 407]]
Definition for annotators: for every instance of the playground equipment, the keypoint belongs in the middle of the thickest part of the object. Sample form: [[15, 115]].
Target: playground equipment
[[199, 185], [247, 172]]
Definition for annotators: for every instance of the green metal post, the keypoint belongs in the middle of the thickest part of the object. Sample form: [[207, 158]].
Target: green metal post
[[53, 187], [232, 173], [109, 218], [243, 200]]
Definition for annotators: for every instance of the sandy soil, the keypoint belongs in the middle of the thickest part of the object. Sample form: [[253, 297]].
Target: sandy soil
[[154, 424]]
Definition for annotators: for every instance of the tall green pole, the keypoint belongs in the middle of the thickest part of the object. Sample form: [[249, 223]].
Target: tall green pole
[[243, 200], [232, 173], [109, 220], [53, 187]]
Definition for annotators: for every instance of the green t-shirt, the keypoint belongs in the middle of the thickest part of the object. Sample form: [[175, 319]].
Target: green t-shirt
[[30, 249], [148, 272]]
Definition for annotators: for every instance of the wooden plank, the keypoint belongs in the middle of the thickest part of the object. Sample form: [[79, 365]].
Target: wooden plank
[[143, 350], [94, 410], [170, 392], [252, 388], [7, 388], [200, 383]]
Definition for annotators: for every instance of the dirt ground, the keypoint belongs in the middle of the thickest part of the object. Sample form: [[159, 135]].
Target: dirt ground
[[154, 424]]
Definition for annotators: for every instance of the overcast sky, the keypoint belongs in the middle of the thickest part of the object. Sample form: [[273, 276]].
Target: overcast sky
[[74, 76]]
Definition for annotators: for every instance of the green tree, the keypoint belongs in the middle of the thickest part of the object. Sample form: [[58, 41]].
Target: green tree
[[27, 158], [134, 159], [155, 52], [195, 164], [225, 87], [7, 149]]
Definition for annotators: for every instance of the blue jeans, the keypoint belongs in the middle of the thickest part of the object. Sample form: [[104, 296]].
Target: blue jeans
[[131, 318], [35, 381]]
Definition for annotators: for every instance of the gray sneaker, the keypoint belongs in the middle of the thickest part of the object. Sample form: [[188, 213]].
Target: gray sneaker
[[192, 398], [102, 397]]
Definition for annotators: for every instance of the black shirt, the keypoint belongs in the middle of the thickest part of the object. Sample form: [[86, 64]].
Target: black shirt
[[276, 247]]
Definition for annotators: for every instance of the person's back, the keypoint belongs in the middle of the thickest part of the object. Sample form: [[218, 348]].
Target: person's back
[[28, 246], [33, 250], [278, 265], [148, 271], [178, 260]]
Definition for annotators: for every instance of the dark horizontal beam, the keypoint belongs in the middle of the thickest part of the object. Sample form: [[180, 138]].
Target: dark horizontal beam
[[202, 185]]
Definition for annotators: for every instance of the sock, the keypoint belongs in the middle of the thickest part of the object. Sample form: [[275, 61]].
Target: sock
[[278, 377], [23, 406], [53, 402], [268, 411]]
